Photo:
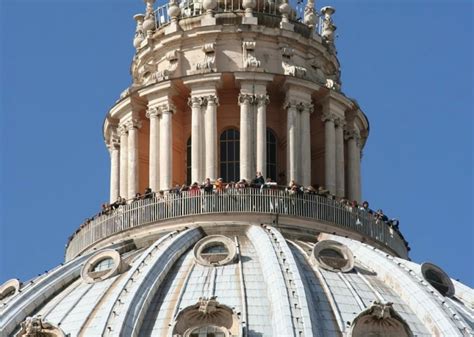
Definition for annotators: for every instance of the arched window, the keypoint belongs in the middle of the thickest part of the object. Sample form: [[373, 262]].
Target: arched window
[[271, 155], [188, 162], [230, 155]]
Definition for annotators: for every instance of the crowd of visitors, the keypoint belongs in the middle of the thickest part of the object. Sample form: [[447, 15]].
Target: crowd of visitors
[[219, 186]]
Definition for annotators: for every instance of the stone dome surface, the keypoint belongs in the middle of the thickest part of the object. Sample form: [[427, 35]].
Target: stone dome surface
[[261, 281]]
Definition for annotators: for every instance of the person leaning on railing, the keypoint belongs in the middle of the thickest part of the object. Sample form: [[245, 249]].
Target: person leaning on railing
[[220, 187]]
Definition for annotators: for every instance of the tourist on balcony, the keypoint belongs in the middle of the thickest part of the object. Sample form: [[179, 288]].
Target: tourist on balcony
[[137, 197], [230, 186], [219, 185], [310, 190], [323, 192], [148, 194], [207, 187], [184, 188], [194, 190], [106, 208], [258, 181], [365, 208], [241, 184], [380, 217]]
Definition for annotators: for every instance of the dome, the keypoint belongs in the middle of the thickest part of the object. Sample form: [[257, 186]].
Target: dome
[[221, 91], [265, 281]]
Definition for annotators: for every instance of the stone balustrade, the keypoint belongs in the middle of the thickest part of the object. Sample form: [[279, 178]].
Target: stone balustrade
[[314, 208]]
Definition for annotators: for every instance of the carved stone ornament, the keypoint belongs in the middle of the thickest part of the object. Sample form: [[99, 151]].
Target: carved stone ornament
[[328, 27], [206, 312], [246, 99], [248, 53], [309, 14], [196, 101], [262, 100], [209, 62], [289, 68], [329, 117], [153, 112], [332, 84], [36, 326], [380, 319], [139, 34], [113, 143], [134, 123], [315, 70], [149, 24], [173, 61]]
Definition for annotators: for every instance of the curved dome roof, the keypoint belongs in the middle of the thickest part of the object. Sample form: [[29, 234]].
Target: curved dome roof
[[249, 280]]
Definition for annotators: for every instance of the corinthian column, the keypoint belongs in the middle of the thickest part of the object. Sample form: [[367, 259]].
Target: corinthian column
[[133, 127], [123, 192], [153, 114], [262, 102], [211, 137], [292, 144], [195, 104], [305, 146], [353, 165], [166, 144], [330, 151], [340, 184], [114, 150], [246, 118]]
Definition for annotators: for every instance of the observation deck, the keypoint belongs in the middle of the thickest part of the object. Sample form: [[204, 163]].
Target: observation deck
[[295, 213]]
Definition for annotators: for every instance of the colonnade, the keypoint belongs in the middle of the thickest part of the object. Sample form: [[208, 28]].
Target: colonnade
[[340, 135]]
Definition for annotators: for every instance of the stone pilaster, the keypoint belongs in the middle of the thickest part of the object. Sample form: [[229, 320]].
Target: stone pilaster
[[133, 165], [261, 137], [154, 113], [247, 169]]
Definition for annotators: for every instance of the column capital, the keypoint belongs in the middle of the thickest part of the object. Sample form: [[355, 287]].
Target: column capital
[[246, 99], [153, 112], [306, 107], [352, 134], [329, 117], [340, 122], [113, 143], [196, 101], [211, 99], [122, 129], [167, 108], [290, 103], [133, 124], [262, 99]]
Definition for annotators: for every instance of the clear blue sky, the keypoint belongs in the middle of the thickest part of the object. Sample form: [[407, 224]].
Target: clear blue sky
[[64, 63]]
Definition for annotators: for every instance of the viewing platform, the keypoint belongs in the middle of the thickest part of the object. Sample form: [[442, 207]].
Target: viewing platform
[[302, 211]]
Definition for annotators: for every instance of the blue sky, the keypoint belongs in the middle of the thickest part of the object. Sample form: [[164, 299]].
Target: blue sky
[[64, 63]]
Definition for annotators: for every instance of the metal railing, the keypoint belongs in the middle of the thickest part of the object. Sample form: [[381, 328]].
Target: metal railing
[[192, 8], [233, 201]]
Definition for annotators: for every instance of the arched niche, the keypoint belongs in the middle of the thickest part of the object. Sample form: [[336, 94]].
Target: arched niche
[[379, 320], [207, 317]]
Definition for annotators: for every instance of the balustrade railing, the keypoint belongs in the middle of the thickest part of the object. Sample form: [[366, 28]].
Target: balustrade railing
[[191, 8], [233, 201]]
